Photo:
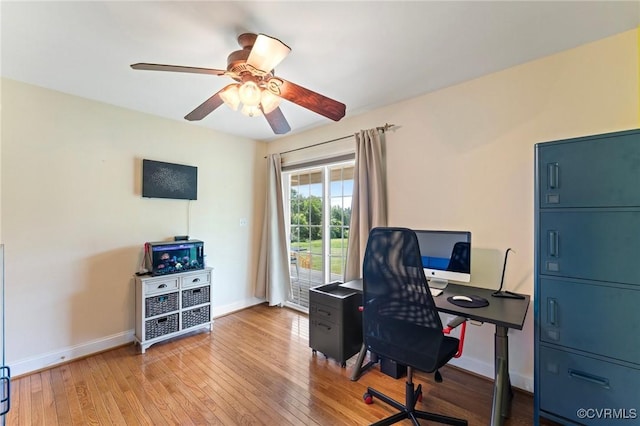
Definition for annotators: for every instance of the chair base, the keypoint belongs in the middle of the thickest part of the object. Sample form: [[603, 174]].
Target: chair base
[[408, 410]]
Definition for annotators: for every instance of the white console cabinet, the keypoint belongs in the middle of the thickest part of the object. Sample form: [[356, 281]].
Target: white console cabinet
[[170, 305]]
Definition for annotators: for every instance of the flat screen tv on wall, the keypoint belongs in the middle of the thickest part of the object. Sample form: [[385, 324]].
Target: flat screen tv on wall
[[168, 180]]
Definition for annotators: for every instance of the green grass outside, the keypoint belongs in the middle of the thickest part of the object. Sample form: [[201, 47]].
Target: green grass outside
[[314, 248]]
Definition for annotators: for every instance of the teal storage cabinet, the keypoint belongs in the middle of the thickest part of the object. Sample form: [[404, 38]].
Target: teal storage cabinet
[[587, 279]]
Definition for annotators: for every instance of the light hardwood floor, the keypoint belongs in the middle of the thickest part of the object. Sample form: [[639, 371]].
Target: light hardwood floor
[[255, 367]]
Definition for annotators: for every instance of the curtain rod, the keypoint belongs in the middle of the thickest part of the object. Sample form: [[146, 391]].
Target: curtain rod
[[383, 129]]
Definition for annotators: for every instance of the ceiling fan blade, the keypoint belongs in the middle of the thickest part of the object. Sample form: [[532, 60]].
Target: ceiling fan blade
[[277, 122], [306, 98], [267, 52], [176, 68], [205, 108]]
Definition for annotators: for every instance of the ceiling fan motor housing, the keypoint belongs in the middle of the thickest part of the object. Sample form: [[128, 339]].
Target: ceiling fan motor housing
[[237, 67]]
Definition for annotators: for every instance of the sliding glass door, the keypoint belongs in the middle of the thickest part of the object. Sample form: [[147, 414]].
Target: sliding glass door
[[319, 209]]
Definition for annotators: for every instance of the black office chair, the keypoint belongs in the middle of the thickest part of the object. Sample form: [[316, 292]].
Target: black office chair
[[400, 320]]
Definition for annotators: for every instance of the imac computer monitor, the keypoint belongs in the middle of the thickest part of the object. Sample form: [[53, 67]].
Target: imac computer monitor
[[446, 255]]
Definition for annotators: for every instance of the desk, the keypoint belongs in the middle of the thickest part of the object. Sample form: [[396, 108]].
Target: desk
[[503, 313]]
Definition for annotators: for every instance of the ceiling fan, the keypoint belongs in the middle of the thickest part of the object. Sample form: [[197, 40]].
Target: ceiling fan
[[257, 89]]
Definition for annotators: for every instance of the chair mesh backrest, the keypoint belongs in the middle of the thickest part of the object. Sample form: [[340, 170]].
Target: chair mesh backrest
[[400, 320]]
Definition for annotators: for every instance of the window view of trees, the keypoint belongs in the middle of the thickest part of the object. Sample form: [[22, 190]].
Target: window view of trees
[[306, 217], [306, 211], [340, 218]]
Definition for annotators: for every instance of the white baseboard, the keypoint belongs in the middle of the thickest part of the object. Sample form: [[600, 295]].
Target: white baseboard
[[482, 368], [220, 311], [51, 359]]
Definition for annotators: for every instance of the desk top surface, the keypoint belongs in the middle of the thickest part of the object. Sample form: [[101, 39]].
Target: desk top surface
[[509, 313]]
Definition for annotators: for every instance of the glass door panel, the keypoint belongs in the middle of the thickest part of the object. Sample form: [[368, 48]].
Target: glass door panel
[[319, 212], [340, 193], [305, 233]]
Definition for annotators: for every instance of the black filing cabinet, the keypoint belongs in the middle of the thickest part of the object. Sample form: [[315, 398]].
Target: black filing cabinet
[[587, 279], [335, 321]]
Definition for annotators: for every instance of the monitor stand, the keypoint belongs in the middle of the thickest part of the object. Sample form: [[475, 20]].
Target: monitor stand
[[438, 283]]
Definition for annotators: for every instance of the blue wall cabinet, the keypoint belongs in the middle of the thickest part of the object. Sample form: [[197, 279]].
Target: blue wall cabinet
[[587, 279]]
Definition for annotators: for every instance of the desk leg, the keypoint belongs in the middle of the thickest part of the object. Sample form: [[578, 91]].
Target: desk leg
[[502, 392]]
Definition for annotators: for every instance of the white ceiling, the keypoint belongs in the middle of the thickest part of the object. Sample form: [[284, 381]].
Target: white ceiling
[[364, 54]]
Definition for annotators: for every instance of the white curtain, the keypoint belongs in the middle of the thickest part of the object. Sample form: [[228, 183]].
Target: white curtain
[[369, 202], [273, 282]]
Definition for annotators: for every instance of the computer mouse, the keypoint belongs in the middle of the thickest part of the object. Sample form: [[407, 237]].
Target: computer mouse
[[465, 298]]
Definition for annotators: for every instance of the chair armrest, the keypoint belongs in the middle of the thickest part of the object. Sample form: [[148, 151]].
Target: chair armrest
[[454, 324]]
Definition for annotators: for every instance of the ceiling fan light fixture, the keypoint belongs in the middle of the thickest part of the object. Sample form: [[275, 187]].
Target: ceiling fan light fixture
[[230, 96], [269, 101], [267, 52], [251, 111], [249, 94]]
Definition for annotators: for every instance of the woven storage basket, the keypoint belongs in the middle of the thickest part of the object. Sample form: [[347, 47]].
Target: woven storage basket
[[195, 296], [158, 305], [160, 326], [196, 316]]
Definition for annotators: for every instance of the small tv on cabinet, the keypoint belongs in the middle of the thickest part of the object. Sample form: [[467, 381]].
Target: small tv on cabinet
[[169, 180], [446, 255]]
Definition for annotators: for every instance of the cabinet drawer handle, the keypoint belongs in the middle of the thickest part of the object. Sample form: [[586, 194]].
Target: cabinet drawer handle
[[553, 244], [162, 320], [600, 381], [552, 314], [328, 327], [162, 286], [552, 175], [322, 311], [195, 280]]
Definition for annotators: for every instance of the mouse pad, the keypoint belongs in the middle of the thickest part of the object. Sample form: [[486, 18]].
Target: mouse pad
[[476, 302]]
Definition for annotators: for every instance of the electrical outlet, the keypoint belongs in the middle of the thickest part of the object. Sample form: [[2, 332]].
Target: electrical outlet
[[243, 221]]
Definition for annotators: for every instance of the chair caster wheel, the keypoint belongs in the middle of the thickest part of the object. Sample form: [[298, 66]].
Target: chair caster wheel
[[368, 398], [438, 377], [314, 352]]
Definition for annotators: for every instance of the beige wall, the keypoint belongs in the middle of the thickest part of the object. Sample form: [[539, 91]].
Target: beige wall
[[74, 221], [462, 158]]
